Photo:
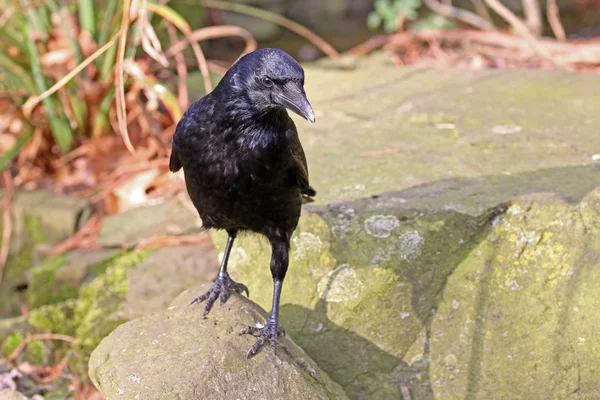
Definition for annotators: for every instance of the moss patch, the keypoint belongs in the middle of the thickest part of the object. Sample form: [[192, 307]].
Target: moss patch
[[43, 288], [95, 312]]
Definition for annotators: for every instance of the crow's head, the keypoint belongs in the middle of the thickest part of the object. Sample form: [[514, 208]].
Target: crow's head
[[270, 78]]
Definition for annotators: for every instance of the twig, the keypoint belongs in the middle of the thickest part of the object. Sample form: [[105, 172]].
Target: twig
[[182, 92], [6, 15], [520, 28], [201, 239], [85, 237], [462, 15], [6, 220], [552, 12], [213, 32], [481, 9], [370, 45], [185, 28], [55, 371], [120, 78], [533, 16], [40, 336], [325, 47], [573, 52], [35, 100]]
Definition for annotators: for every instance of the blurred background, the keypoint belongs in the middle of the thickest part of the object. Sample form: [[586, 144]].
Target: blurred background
[[91, 92]]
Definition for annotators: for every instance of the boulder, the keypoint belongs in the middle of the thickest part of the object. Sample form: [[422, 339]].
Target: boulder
[[452, 248], [180, 354]]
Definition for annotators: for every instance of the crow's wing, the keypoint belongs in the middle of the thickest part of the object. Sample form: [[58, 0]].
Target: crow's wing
[[300, 166], [174, 162]]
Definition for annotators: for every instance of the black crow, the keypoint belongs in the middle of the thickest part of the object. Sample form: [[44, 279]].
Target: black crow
[[244, 166]]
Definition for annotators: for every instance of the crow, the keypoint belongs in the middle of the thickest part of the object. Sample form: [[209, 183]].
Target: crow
[[244, 166]]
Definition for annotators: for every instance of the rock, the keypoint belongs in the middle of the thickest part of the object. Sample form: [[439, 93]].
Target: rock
[[53, 217], [166, 272], [179, 353], [130, 227], [9, 394], [130, 285], [440, 225], [39, 219]]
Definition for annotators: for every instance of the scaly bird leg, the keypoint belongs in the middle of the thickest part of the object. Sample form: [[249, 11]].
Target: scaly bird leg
[[223, 284], [271, 329], [279, 263]]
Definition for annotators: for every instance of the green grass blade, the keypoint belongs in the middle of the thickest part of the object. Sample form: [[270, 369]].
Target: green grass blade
[[61, 130], [17, 72], [8, 156], [109, 15], [108, 63], [101, 123], [34, 20], [86, 16]]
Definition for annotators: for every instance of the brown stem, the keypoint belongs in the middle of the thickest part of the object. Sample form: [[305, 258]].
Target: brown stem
[[462, 15], [533, 16], [552, 12]]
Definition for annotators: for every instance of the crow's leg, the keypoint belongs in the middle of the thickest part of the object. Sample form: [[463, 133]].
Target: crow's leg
[[223, 284], [279, 265]]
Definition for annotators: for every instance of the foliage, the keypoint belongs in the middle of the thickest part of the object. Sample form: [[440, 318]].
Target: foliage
[[43, 41], [386, 13]]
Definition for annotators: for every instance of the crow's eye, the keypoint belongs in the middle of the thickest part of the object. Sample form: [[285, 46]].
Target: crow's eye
[[267, 82]]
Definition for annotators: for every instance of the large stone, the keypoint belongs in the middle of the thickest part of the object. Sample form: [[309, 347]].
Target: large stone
[[39, 219], [129, 285], [129, 228], [408, 270], [180, 354], [54, 217]]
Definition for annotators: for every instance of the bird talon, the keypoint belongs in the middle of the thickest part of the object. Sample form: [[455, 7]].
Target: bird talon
[[269, 332], [221, 290]]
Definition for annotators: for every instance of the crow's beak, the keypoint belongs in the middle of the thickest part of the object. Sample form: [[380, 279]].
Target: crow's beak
[[293, 98]]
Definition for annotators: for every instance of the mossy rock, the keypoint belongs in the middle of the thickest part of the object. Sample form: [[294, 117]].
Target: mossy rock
[[39, 219], [414, 169], [179, 353], [128, 286]]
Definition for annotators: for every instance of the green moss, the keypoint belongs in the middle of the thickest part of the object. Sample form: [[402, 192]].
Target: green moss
[[55, 318], [43, 288], [36, 352], [33, 228], [11, 342], [94, 313]]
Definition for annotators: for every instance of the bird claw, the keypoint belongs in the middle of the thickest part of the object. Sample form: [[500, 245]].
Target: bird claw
[[269, 332], [221, 289]]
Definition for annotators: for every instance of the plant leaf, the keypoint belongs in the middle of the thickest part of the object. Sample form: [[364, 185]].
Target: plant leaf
[[170, 15], [13, 151]]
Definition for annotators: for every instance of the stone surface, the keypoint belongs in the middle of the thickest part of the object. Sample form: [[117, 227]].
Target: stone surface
[[439, 245], [8, 394], [56, 216], [39, 219], [127, 229], [178, 353], [128, 285]]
